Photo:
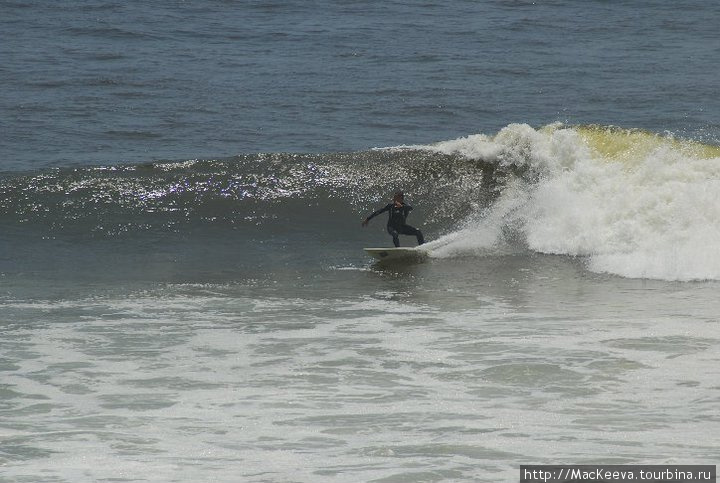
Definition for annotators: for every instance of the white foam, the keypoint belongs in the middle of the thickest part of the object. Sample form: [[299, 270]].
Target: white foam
[[650, 213]]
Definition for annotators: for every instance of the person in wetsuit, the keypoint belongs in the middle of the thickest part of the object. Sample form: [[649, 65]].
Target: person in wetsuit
[[398, 212]]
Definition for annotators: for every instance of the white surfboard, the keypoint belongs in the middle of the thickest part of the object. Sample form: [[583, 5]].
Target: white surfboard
[[397, 254]]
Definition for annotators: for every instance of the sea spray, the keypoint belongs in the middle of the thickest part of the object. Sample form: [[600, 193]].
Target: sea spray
[[631, 202]]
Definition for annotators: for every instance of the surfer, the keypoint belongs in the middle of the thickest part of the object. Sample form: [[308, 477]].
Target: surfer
[[398, 212]]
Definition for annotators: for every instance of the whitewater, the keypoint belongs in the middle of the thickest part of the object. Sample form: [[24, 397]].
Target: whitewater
[[631, 203]]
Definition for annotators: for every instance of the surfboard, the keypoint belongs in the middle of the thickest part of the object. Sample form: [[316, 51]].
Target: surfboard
[[397, 254]]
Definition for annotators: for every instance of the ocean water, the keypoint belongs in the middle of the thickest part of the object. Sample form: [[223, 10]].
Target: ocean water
[[183, 291]]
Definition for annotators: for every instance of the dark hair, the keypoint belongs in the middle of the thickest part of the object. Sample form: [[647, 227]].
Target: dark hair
[[399, 193]]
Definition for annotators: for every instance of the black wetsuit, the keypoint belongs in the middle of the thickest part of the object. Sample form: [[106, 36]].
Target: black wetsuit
[[396, 222]]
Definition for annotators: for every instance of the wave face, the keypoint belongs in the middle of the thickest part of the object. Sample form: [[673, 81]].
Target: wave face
[[629, 202], [633, 203], [255, 190]]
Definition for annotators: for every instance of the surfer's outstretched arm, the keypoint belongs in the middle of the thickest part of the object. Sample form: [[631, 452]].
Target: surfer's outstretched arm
[[376, 213]]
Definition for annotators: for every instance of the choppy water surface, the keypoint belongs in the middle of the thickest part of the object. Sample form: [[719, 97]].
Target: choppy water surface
[[96, 82], [439, 372]]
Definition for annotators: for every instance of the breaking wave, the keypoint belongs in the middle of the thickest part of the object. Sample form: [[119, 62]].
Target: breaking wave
[[634, 203], [629, 202]]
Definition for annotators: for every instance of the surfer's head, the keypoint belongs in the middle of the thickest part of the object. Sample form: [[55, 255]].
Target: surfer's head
[[399, 196]]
